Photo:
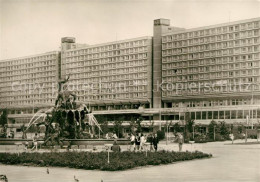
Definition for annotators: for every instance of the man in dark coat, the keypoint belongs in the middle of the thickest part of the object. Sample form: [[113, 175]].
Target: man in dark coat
[[115, 147], [155, 141]]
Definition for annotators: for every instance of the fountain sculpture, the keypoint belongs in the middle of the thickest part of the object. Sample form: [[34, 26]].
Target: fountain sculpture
[[66, 120]]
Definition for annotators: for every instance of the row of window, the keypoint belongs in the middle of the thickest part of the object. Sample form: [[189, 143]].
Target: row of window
[[230, 67], [213, 54], [70, 56], [81, 72], [93, 83], [211, 46], [89, 67], [246, 81], [28, 69], [209, 90], [207, 76], [224, 52], [220, 64], [24, 75], [203, 40], [207, 45], [39, 60], [106, 48], [29, 102], [96, 61], [28, 79], [126, 96], [224, 102], [212, 31]]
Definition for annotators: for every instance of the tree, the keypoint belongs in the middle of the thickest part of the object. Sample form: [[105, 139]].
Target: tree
[[189, 123], [138, 122], [3, 118], [118, 128], [212, 129], [177, 127], [224, 131]]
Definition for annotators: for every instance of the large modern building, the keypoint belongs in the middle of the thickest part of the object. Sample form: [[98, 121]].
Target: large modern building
[[26, 84], [211, 72]]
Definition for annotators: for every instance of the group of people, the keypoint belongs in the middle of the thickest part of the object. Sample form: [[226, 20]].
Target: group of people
[[138, 142], [35, 143]]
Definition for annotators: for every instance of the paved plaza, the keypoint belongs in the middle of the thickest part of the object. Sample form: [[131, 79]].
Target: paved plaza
[[229, 163]]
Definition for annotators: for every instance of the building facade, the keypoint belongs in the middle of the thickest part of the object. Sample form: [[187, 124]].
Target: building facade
[[212, 73], [111, 75], [213, 67], [26, 84]]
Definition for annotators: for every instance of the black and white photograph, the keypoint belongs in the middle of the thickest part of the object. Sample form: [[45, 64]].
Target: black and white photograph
[[129, 90]]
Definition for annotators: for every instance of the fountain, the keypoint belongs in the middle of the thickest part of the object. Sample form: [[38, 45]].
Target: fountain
[[66, 120]]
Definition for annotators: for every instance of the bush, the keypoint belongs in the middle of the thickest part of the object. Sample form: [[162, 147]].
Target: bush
[[160, 135], [201, 138], [89, 160]]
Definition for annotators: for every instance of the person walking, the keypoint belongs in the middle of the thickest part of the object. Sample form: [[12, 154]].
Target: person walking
[[155, 141], [107, 137], [142, 142], [35, 143], [137, 141], [132, 142], [180, 141], [26, 144]]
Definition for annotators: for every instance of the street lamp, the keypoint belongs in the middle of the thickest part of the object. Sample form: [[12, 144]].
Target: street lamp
[[246, 128], [108, 148], [193, 126], [214, 131]]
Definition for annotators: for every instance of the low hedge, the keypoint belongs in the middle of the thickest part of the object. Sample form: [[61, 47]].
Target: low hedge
[[89, 160]]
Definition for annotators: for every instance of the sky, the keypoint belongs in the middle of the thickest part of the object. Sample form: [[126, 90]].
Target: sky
[[29, 27]]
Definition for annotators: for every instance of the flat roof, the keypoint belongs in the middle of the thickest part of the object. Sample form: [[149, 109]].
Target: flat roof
[[109, 43], [212, 26], [31, 56]]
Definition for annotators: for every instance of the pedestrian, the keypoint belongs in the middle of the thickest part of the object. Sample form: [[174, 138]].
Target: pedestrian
[[150, 139], [231, 136], [137, 141], [12, 134], [26, 144], [115, 147], [107, 137], [142, 142], [115, 136], [180, 141], [132, 142], [155, 141], [35, 143]]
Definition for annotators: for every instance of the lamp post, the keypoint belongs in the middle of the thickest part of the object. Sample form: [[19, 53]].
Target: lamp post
[[214, 132], [167, 133], [193, 126], [246, 128], [108, 148]]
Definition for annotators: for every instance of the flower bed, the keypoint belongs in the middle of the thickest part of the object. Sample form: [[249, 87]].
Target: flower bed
[[88, 160]]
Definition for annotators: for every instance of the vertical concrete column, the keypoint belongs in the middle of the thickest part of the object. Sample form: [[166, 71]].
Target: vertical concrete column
[[160, 27], [66, 44]]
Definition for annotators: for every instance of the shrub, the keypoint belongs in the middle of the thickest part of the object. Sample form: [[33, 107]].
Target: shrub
[[89, 160], [160, 135]]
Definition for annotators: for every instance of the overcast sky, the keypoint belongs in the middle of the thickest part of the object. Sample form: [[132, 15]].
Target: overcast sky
[[29, 27]]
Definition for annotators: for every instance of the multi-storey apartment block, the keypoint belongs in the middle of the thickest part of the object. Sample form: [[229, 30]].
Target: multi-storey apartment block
[[214, 67], [212, 73], [111, 75], [27, 83]]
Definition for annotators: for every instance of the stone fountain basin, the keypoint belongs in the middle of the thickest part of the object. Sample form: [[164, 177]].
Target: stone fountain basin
[[13, 141]]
